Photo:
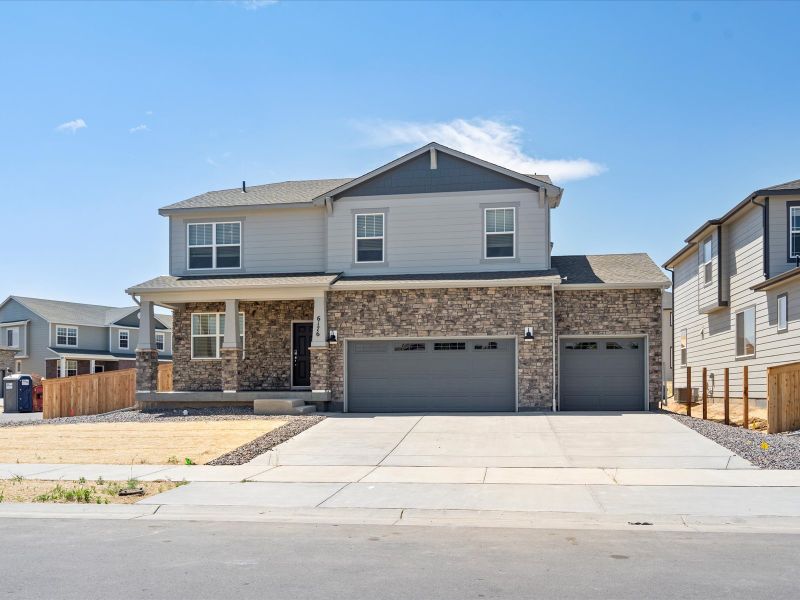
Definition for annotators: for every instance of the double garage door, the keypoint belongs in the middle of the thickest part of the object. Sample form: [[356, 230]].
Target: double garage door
[[431, 375], [602, 374]]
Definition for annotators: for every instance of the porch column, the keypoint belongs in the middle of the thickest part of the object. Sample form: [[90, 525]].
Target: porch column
[[91, 366], [146, 352], [320, 359], [63, 364], [231, 351]]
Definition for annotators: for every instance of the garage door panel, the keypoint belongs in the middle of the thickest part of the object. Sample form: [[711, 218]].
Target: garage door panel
[[476, 374]]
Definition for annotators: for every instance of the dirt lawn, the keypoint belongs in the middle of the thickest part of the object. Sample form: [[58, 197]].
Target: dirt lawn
[[129, 443], [73, 492], [716, 412]]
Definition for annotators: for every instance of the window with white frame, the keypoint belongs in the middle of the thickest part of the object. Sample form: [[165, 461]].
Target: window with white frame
[[746, 332], [783, 313], [706, 259], [99, 368], [684, 347], [794, 231], [124, 338], [208, 333], [499, 232], [160, 342], [66, 336], [370, 238], [72, 368], [214, 245], [12, 337]]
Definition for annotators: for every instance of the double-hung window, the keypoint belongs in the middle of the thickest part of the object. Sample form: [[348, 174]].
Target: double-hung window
[[66, 336], [499, 232], [794, 231], [706, 258], [208, 333], [684, 347], [160, 342], [215, 245], [72, 368], [746, 332], [370, 239], [783, 313], [124, 338], [12, 337]]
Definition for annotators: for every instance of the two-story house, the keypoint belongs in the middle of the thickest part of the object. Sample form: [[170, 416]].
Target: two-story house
[[427, 284], [52, 338], [736, 293]]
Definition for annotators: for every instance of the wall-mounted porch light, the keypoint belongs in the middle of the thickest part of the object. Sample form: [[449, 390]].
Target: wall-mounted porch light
[[528, 337], [332, 336]]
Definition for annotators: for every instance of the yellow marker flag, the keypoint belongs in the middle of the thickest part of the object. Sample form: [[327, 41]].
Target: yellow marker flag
[[764, 446]]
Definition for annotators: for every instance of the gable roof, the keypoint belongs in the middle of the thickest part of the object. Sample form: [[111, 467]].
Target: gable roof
[[552, 191], [283, 193], [609, 270], [76, 313]]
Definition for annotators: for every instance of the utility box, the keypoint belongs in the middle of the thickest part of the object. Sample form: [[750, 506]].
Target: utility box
[[18, 393]]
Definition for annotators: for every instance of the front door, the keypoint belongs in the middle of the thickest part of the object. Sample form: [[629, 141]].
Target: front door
[[301, 356]]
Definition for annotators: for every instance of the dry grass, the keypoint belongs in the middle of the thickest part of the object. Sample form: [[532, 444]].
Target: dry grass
[[716, 412], [129, 443], [73, 492]]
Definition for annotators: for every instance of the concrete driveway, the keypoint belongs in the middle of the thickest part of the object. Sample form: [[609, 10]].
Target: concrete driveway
[[475, 443]]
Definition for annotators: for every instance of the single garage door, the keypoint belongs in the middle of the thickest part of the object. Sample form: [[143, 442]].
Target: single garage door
[[431, 375], [602, 374]]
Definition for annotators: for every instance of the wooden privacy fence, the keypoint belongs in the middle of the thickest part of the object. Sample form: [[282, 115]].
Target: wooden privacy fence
[[783, 398], [96, 394], [89, 394]]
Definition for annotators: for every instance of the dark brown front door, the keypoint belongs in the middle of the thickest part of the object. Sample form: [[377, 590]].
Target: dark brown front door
[[301, 356]]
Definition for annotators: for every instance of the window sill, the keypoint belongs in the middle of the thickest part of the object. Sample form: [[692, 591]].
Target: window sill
[[745, 357], [499, 259]]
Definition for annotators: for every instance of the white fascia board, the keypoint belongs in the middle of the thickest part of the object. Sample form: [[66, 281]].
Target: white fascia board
[[615, 286], [170, 297], [238, 208], [14, 323], [449, 283]]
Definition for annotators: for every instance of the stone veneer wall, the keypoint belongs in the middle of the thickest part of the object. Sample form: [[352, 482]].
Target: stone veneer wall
[[268, 339], [451, 312], [615, 312], [7, 359]]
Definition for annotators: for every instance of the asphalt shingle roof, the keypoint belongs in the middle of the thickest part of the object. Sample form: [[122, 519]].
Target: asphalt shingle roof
[[285, 192], [170, 282], [617, 269], [789, 185], [76, 313]]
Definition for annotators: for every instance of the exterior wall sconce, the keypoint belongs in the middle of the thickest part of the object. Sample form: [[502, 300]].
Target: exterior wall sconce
[[332, 336], [528, 337]]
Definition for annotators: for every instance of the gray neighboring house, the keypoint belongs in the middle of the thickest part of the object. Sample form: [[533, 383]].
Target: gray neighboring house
[[52, 338], [427, 284], [736, 289]]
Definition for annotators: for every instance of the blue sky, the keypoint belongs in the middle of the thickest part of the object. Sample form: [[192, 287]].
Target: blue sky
[[657, 116]]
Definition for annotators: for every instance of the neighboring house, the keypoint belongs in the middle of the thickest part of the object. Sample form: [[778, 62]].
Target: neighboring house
[[58, 339], [736, 288], [666, 341], [426, 284]]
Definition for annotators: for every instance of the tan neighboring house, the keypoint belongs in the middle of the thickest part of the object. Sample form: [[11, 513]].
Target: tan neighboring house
[[736, 293], [427, 284]]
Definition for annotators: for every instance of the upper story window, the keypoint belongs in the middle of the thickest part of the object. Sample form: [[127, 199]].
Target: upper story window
[[370, 238], [706, 257], [160, 342], [794, 230], [684, 347], [783, 313], [208, 333], [12, 337], [746, 332], [66, 336], [499, 232], [215, 245], [124, 338]]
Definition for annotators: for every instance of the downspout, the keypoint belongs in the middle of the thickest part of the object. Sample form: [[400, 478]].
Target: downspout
[[765, 232], [553, 313]]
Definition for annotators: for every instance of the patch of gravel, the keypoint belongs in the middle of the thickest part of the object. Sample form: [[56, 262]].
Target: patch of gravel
[[783, 450], [246, 453]]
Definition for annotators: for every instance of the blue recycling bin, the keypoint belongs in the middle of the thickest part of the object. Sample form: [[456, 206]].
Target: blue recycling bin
[[18, 393]]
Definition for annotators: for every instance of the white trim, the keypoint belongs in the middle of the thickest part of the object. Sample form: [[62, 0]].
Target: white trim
[[68, 327], [792, 230], [646, 350], [346, 349], [513, 233], [217, 335], [214, 245], [736, 333], [291, 354], [381, 237], [127, 341], [785, 297], [15, 337], [14, 323], [647, 285], [163, 341]]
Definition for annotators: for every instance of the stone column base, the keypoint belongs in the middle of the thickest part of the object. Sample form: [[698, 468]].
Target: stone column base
[[146, 370], [320, 374], [231, 358]]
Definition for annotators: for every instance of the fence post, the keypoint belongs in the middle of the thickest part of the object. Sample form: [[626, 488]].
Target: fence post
[[688, 391], [727, 420], [705, 396], [746, 400]]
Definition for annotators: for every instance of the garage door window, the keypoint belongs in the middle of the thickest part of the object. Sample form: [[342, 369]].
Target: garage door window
[[486, 346], [450, 346], [410, 348], [581, 346]]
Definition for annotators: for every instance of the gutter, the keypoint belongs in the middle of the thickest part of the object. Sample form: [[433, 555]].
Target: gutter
[[672, 275], [764, 232]]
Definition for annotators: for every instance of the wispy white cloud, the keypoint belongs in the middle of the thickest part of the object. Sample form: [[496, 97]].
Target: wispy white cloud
[[212, 162], [148, 112], [71, 126], [494, 141], [139, 128], [255, 4]]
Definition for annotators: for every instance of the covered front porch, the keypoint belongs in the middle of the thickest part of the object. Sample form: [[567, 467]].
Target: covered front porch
[[237, 340]]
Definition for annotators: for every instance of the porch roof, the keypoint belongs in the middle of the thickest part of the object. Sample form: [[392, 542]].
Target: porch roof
[[87, 354], [170, 283]]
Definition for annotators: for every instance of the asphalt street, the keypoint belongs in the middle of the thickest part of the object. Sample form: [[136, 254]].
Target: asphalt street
[[72, 558]]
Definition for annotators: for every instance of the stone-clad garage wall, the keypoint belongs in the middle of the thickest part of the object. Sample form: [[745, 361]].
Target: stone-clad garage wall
[[615, 312], [268, 338], [451, 312]]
